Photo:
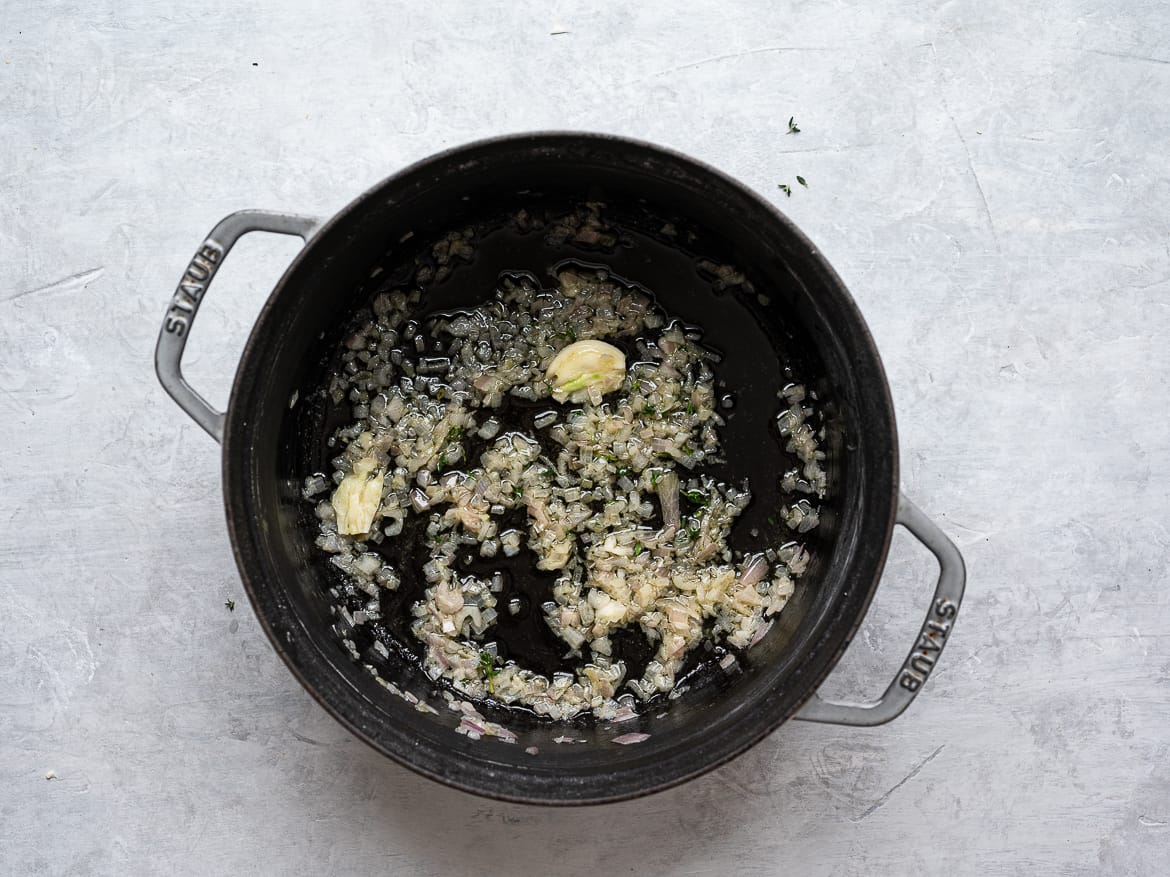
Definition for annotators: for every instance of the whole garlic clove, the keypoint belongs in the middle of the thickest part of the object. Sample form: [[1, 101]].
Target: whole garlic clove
[[585, 364], [358, 497]]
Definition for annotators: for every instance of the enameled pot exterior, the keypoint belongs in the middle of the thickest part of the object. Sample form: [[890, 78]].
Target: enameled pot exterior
[[262, 451]]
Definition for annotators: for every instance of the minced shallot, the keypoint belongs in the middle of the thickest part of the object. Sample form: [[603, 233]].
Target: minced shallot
[[597, 481]]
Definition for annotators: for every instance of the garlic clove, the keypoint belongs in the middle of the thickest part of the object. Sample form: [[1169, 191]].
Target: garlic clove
[[358, 497], [584, 365]]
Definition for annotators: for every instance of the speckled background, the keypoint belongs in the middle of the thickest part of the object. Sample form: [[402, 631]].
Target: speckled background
[[991, 179]]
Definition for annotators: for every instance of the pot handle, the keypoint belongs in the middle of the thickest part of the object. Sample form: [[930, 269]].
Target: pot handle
[[927, 649], [172, 338]]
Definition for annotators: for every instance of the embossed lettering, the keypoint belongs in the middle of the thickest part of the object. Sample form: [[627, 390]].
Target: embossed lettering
[[922, 664], [931, 639], [198, 269], [186, 299], [944, 608], [927, 644]]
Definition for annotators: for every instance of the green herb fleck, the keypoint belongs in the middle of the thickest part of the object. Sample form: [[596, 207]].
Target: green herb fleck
[[230, 604], [649, 409], [792, 126], [443, 463], [487, 666], [441, 393], [623, 471], [455, 433], [546, 473], [690, 408], [786, 189], [696, 496], [638, 548], [802, 181], [517, 491], [634, 386], [655, 476], [693, 533]]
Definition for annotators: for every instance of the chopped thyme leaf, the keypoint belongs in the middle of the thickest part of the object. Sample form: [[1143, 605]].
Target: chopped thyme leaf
[[487, 666]]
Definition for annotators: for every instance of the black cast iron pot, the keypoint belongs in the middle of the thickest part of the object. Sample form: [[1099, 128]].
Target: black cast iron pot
[[673, 212]]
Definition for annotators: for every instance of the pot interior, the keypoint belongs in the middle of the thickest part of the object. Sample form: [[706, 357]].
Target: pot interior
[[791, 322]]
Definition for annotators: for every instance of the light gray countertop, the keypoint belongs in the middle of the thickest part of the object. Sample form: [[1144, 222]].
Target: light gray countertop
[[991, 179]]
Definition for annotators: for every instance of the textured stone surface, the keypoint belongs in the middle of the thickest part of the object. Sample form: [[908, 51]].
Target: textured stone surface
[[992, 181]]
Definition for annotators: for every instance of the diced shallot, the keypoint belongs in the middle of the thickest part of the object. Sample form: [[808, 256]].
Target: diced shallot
[[449, 600], [668, 499], [755, 571], [627, 739]]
